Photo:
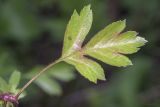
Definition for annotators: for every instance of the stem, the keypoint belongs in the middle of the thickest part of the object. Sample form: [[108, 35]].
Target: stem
[[36, 76]]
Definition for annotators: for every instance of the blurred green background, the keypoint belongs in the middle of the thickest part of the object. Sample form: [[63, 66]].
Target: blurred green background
[[31, 36]]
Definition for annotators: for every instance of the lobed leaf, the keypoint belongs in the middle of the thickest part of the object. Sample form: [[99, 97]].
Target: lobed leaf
[[76, 31], [86, 67], [110, 46]]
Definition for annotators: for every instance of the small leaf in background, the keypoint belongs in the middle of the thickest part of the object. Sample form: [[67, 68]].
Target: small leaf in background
[[110, 46], [77, 29], [62, 71], [86, 67], [12, 84], [4, 87], [15, 79], [49, 85]]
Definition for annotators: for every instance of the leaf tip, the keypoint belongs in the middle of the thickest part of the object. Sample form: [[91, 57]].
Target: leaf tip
[[87, 9], [88, 6], [95, 82], [124, 21], [142, 40], [127, 63], [130, 63], [104, 79], [75, 12]]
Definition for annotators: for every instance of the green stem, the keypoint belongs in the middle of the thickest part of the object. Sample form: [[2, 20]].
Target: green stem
[[36, 76]]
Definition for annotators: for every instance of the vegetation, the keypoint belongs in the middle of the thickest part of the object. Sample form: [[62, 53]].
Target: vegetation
[[31, 38], [108, 45]]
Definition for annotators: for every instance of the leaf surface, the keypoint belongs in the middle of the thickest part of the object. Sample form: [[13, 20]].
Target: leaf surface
[[49, 85], [15, 79], [62, 71], [110, 46], [76, 31], [4, 87], [86, 67]]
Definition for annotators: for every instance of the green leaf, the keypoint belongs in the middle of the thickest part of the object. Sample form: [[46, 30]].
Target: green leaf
[[14, 79], [62, 72], [49, 85], [76, 31], [106, 34], [110, 57], [12, 85], [110, 46], [4, 87], [86, 67]]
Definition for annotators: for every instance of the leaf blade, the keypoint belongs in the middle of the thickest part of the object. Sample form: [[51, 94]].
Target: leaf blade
[[128, 42], [4, 87], [87, 68], [107, 33], [111, 58], [49, 85], [76, 31], [15, 79], [111, 47]]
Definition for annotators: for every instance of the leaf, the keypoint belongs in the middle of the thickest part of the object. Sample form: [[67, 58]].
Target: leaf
[[76, 31], [107, 33], [4, 87], [14, 79], [49, 85], [110, 46], [62, 72], [11, 87], [107, 45], [86, 67]]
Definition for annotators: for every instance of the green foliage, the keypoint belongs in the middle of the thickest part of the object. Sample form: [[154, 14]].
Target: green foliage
[[15, 79], [48, 81], [108, 45], [62, 71], [49, 85], [87, 67], [51, 16], [3, 85], [76, 31], [12, 84]]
